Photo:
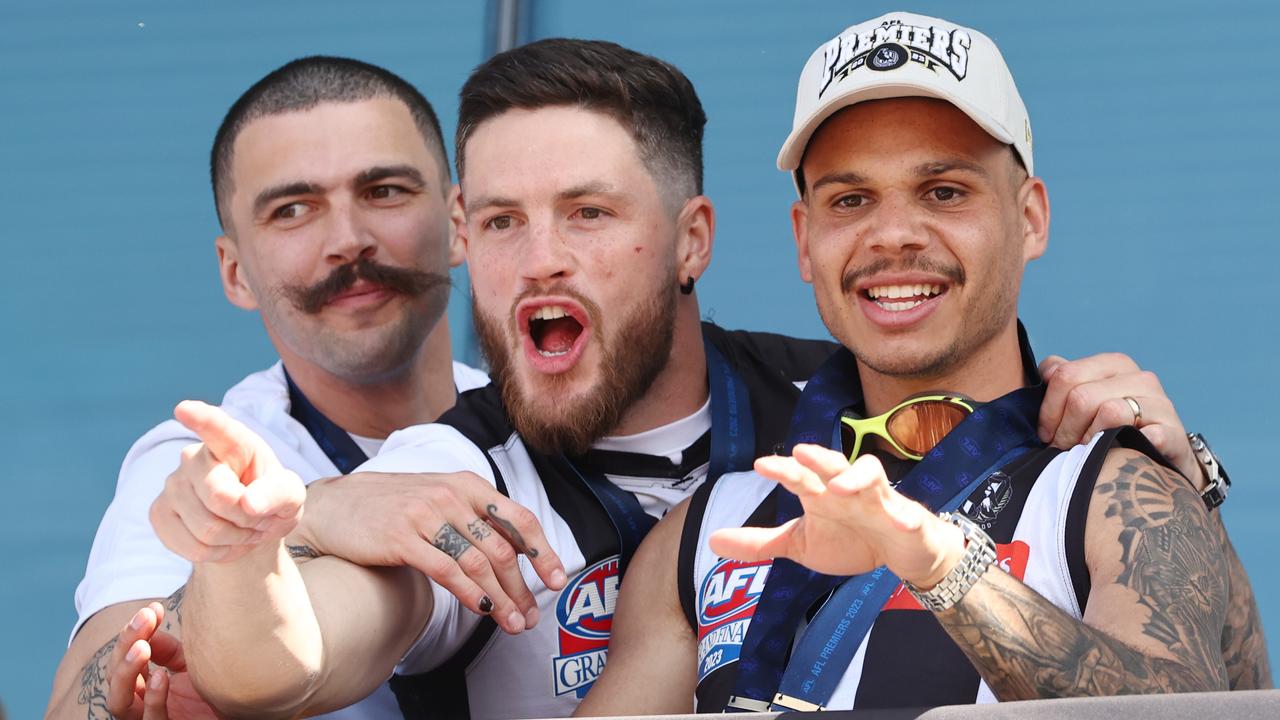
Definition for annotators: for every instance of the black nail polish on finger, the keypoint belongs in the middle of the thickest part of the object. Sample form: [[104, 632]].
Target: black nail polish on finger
[[486, 605]]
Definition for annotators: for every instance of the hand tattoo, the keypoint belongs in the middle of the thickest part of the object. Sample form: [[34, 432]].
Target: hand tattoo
[[479, 529], [1025, 647], [449, 541], [510, 531]]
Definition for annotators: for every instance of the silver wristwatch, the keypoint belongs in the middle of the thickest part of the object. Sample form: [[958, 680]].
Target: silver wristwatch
[[1219, 482], [979, 553]]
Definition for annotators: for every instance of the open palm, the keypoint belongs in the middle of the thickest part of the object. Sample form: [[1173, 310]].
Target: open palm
[[853, 520]]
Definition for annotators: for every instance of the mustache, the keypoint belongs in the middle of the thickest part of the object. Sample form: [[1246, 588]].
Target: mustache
[[953, 273], [405, 281]]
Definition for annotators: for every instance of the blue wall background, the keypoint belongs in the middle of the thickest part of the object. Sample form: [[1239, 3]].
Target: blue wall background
[[1154, 130]]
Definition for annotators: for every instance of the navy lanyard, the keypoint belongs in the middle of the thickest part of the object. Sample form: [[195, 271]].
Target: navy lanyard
[[732, 450], [990, 438], [336, 443]]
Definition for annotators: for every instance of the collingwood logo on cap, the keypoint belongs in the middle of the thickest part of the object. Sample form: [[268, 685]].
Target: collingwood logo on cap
[[891, 45]]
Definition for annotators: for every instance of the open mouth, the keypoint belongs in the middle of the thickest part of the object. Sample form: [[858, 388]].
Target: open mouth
[[553, 330], [898, 298]]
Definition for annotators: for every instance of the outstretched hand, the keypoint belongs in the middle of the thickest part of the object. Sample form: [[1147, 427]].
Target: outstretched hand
[[229, 494], [853, 521]]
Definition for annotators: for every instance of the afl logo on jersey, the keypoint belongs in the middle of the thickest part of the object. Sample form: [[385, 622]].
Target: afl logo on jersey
[[730, 588], [584, 615], [727, 598], [586, 604]]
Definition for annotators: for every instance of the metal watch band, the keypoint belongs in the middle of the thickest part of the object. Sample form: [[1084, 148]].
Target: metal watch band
[[979, 553], [1219, 481]]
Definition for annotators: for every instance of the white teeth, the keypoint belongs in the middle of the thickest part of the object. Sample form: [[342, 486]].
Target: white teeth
[[902, 291], [548, 312], [547, 353], [899, 306]]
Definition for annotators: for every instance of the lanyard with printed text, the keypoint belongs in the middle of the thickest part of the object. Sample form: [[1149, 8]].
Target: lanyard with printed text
[[732, 450], [990, 438], [336, 443]]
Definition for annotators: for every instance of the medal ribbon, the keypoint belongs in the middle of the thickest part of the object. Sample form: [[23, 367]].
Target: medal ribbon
[[994, 435]]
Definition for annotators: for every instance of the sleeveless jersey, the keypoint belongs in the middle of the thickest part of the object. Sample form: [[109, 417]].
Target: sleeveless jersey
[[461, 666], [1034, 509]]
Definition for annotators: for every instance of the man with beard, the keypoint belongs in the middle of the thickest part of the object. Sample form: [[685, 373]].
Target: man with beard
[[585, 229], [828, 580], [333, 190]]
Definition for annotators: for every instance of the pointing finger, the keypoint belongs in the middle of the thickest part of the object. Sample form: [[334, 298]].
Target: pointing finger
[[228, 439]]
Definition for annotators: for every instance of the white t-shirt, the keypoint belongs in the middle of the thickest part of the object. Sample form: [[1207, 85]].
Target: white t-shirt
[[129, 563]]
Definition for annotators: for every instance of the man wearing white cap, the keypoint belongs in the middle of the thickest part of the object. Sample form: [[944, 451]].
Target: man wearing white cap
[[857, 570]]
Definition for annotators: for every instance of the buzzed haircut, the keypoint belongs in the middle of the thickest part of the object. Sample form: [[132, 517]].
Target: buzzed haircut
[[302, 85], [652, 99]]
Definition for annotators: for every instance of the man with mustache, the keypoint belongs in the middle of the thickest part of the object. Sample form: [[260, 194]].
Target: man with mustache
[[333, 191], [585, 231], [827, 578]]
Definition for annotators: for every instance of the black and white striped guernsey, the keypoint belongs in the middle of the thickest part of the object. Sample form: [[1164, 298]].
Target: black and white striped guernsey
[[1034, 509], [460, 667]]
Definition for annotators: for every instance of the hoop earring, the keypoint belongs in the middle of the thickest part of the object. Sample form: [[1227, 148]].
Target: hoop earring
[[687, 287]]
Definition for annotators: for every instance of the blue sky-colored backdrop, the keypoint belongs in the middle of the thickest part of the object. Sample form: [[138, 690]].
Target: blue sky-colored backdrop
[[1154, 130]]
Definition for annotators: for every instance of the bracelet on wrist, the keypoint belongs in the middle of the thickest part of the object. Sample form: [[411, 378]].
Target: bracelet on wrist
[[979, 554]]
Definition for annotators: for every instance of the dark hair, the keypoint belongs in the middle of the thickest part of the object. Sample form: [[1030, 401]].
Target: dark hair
[[652, 99], [302, 85]]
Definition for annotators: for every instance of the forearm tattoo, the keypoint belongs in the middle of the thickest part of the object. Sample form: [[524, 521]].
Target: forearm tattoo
[[509, 529], [479, 529], [450, 542], [1025, 647], [93, 676], [93, 682], [302, 552]]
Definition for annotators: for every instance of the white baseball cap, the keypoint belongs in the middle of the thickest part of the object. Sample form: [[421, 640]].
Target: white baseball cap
[[907, 55]]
